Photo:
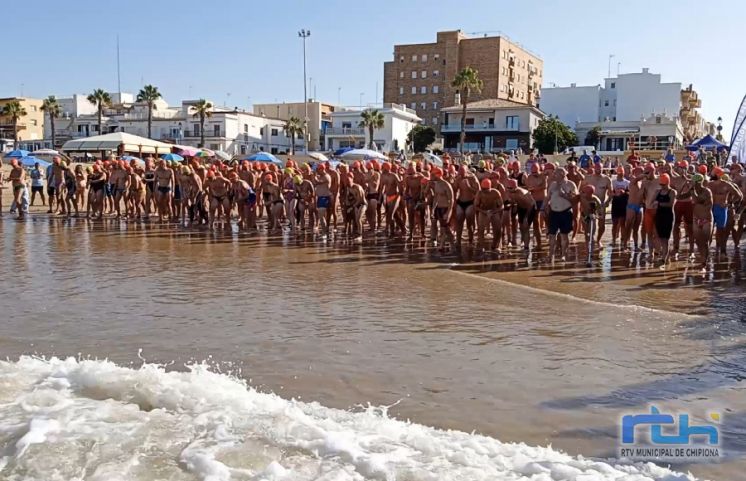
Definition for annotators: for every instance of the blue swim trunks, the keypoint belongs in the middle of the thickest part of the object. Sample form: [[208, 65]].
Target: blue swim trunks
[[323, 202], [720, 216], [635, 207]]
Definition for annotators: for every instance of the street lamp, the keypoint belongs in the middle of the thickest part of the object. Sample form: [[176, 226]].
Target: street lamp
[[720, 129], [304, 34]]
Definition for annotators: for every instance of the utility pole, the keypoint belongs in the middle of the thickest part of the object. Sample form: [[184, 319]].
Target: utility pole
[[339, 96], [119, 76], [611, 55], [304, 34]]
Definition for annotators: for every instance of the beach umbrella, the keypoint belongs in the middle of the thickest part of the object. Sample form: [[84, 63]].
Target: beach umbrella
[[318, 156], [333, 164], [341, 151], [204, 153], [129, 158], [171, 157], [362, 154], [17, 154], [223, 155], [264, 157], [30, 160]]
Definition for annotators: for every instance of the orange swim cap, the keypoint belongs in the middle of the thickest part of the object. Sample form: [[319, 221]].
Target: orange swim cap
[[356, 164], [702, 169], [486, 184], [386, 167], [664, 179], [620, 170], [717, 171], [535, 168], [320, 168], [424, 181], [683, 164]]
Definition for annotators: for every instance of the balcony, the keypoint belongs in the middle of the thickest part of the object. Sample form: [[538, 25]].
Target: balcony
[[354, 131], [479, 128], [511, 62], [208, 134]]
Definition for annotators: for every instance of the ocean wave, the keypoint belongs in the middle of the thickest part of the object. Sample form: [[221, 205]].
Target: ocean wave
[[71, 419]]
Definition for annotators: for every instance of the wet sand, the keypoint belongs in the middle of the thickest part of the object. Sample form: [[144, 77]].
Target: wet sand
[[450, 341]]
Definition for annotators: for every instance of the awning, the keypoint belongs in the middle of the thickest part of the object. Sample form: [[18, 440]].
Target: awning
[[113, 141]]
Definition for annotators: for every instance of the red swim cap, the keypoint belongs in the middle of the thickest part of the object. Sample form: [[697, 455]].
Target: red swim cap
[[386, 167], [702, 169], [664, 179], [486, 184]]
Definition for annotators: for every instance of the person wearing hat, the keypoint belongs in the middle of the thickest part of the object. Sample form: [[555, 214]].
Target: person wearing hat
[[724, 196], [702, 214], [561, 195], [683, 208], [664, 202], [488, 204], [634, 210], [442, 207], [739, 180], [164, 186]]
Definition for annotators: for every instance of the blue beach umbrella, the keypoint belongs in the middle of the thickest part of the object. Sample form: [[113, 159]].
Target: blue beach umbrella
[[30, 160], [172, 157], [341, 151], [264, 157], [17, 154]]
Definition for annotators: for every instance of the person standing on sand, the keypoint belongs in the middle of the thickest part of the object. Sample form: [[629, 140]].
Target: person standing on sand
[[619, 199], [412, 188], [525, 210], [71, 190], [96, 184], [536, 183], [634, 210], [372, 194], [602, 186], [17, 179], [724, 195], [664, 204], [442, 206], [37, 184], [702, 213], [650, 187], [590, 210], [562, 193], [466, 186], [488, 204], [683, 209], [322, 186], [164, 186]]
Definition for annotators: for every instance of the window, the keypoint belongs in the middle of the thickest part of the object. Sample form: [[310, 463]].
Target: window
[[435, 120], [195, 128], [245, 137], [436, 56], [423, 74], [436, 89], [423, 90], [414, 58], [245, 127], [274, 132], [214, 146], [436, 73], [435, 105], [261, 131], [511, 122], [423, 105], [401, 74], [414, 90], [401, 59], [614, 102], [401, 90], [614, 119], [243, 149], [414, 74], [606, 103], [33, 122], [613, 85], [424, 57], [413, 106], [469, 121], [216, 130]]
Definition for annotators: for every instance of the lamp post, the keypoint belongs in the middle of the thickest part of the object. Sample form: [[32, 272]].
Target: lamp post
[[720, 129], [304, 34]]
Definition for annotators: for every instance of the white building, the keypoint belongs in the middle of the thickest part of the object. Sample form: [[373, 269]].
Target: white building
[[230, 130], [572, 104], [655, 132], [346, 132]]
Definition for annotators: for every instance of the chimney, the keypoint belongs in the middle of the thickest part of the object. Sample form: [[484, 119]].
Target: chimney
[[645, 70], [573, 85]]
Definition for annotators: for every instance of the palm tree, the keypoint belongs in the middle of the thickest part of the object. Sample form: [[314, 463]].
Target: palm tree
[[53, 110], [101, 100], [149, 94], [373, 119], [202, 110], [15, 111], [293, 127], [466, 82]]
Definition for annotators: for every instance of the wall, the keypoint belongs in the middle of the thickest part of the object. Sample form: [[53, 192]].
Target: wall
[[641, 94], [296, 109], [572, 104]]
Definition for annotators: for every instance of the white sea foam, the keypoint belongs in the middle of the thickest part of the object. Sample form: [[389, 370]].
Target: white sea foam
[[83, 419]]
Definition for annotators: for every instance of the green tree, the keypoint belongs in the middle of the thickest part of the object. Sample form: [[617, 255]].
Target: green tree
[[101, 100], [593, 136], [293, 127], [466, 82], [149, 94], [552, 135], [202, 110], [420, 137], [15, 111], [372, 119], [53, 110]]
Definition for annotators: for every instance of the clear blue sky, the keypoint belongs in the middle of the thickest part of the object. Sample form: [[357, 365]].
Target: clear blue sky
[[250, 49]]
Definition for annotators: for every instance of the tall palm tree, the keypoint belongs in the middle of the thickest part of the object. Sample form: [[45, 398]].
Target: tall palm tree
[[202, 110], [466, 82], [372, 119], [15, 111], [53, 110], [101, 100], [149, 94], [293, 127]]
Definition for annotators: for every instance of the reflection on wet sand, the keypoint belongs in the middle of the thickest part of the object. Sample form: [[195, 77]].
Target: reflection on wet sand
[[455, 340]]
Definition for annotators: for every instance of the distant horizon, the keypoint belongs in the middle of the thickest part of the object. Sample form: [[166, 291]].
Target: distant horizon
[[238, 55]]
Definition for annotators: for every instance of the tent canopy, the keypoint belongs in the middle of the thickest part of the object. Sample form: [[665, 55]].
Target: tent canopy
[[129, 143], [707, 142]]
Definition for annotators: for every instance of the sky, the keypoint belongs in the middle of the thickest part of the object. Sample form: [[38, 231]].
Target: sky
[[239, 53]]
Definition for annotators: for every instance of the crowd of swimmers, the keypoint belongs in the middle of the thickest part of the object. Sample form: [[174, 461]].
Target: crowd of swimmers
[[499, 203]]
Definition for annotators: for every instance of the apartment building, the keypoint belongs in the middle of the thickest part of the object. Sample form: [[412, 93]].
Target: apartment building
[[30, 126], [318, 117], [420, 75]]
